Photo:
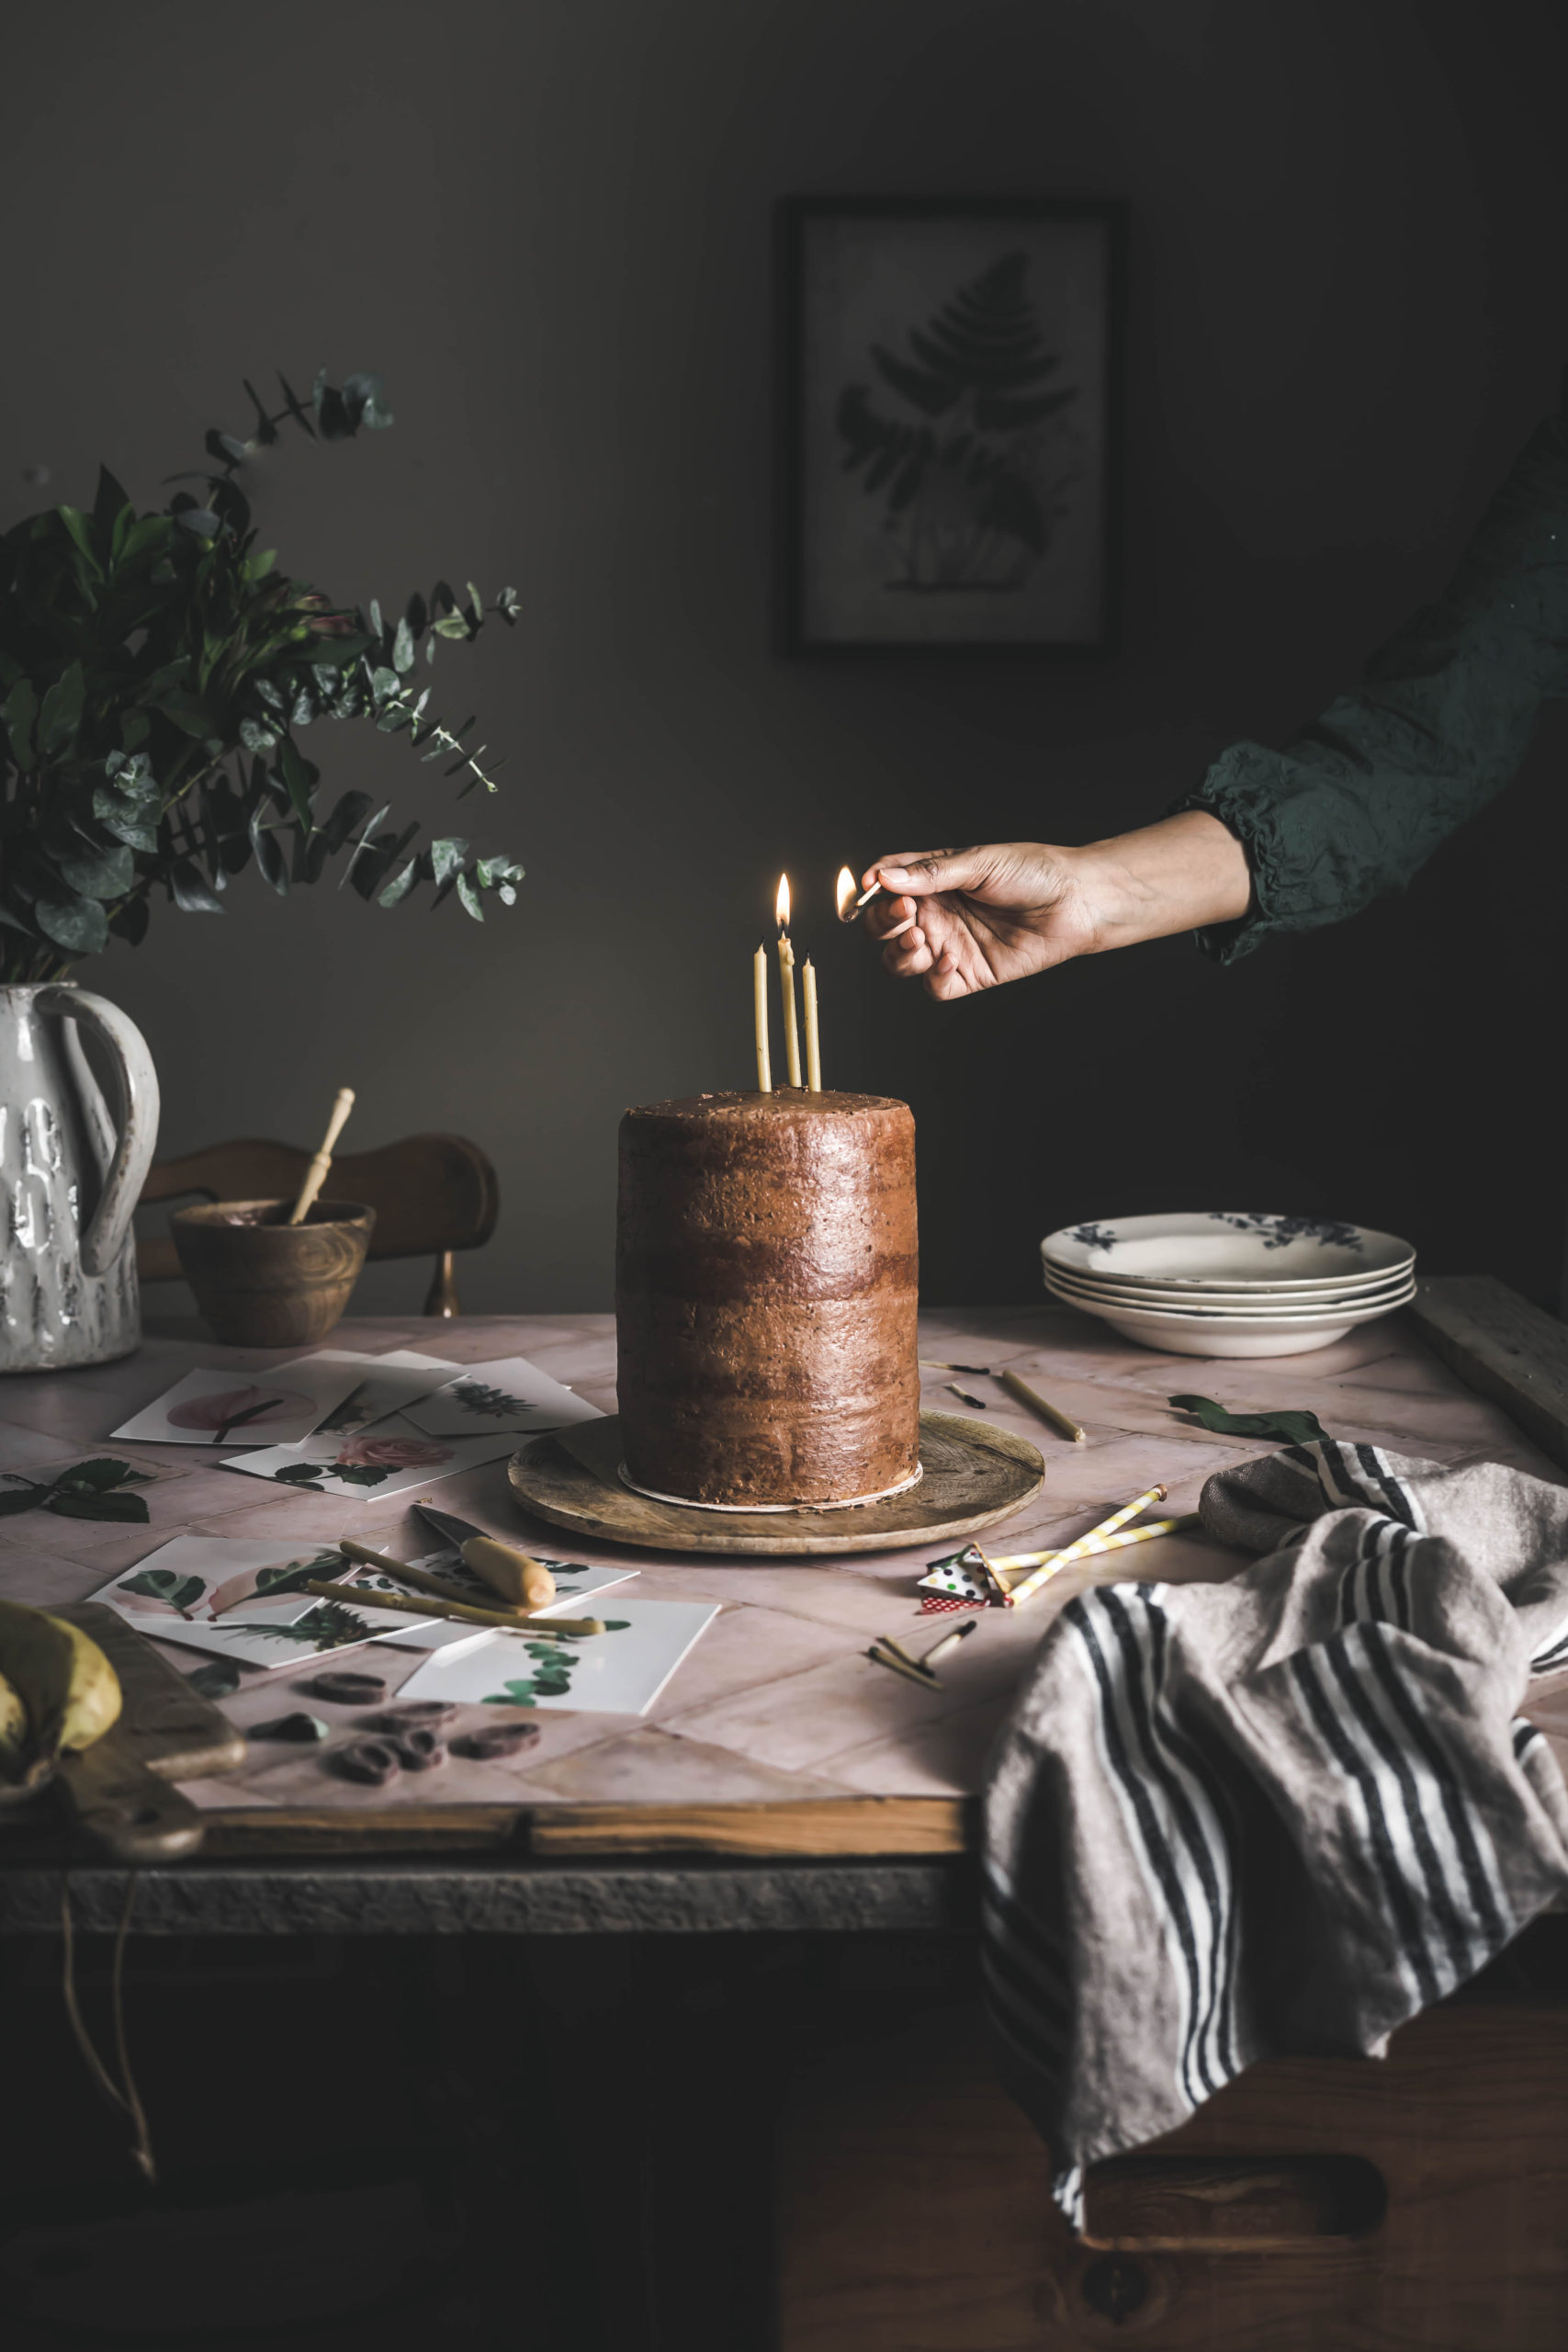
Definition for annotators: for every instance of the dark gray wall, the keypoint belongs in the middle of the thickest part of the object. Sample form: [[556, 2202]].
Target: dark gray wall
[[549, 225]]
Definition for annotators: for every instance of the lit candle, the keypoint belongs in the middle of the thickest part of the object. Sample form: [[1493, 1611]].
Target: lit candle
[[760, 1002], [787, 982], [844, 893], [813, 1040]]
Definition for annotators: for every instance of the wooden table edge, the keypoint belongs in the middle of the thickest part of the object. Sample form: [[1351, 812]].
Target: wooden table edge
[[870, 1828]]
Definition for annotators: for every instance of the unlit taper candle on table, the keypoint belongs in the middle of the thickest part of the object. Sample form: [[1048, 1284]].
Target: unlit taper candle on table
[[1042, 1406], [316, 1174]]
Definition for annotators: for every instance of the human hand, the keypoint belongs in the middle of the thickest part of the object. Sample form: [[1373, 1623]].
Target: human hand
[[965, 919]]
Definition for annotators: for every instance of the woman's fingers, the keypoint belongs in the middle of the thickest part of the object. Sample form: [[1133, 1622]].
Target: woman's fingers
[[920, 873], [909, 956]]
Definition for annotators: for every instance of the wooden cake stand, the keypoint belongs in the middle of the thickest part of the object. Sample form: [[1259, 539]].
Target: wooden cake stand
[[974, 1476]]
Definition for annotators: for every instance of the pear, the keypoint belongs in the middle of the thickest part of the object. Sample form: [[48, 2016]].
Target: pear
[[69, 1690], [13, 1732]]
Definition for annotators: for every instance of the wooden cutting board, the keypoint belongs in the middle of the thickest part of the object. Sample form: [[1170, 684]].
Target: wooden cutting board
[[119, 1789]]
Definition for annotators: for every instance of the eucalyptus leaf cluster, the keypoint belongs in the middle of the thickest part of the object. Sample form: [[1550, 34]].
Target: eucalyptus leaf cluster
[[157, 672]]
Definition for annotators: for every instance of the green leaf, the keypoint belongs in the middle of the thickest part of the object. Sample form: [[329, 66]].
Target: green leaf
[[80, 530], [269, 854], [127, 803], [186, 713], [399, 886], [20, 715], [469, 898], [164, 1584], [446, 858], [297, 781], [115, 1505], [1297, 1428], [91, 1477], [99, 874], [191, 891], [403, 648], [79, 925], [61, 715]]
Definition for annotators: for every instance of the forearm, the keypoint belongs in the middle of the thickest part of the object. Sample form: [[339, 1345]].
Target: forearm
[[1184, 874]]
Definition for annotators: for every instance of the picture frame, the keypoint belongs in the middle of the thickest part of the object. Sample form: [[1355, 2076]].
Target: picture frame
[[952, 424]]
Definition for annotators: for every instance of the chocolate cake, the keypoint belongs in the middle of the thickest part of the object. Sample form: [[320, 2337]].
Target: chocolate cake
[[765, 1293]]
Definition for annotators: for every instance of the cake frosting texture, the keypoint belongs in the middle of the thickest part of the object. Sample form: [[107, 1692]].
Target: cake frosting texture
[[765, 1297]]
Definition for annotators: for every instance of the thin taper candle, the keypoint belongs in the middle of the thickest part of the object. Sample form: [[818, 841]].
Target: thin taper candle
[[760, 1007], [791, 1030], [813, 1035]]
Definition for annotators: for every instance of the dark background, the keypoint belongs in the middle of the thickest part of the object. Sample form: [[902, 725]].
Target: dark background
[[549, 225]]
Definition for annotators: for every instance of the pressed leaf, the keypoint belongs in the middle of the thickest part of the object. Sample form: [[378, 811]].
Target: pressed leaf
[[106, 1505], [1297, 1427], [102, 1470]]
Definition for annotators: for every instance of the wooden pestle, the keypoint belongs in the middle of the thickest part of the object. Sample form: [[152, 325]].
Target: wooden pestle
[[316, 1174]]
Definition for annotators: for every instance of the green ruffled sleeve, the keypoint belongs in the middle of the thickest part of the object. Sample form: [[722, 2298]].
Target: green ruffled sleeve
[[1441, 722]]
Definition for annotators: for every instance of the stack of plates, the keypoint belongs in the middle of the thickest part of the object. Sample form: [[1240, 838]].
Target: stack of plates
[[1223, 1284]]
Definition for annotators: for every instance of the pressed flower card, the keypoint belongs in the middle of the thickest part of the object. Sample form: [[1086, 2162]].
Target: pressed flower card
[[509, 1394], [198, 1578], [370, 1463], [619, 1672], [385, 1384], [246, 1407], [289, 1638]]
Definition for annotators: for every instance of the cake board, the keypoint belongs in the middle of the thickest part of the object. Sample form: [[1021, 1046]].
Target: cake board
[[973, 1477]]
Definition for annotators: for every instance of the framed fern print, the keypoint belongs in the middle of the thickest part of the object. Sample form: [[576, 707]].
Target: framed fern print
[[954, 399]]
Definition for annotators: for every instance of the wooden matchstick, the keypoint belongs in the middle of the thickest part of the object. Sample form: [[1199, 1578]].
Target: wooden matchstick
[[316, 1174], [928, 1658], [888, 1654]]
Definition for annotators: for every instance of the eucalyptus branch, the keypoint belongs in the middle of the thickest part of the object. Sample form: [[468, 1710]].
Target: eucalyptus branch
[[155, 673]]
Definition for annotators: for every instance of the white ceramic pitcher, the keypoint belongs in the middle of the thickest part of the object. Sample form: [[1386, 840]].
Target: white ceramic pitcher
[[70, 1184]]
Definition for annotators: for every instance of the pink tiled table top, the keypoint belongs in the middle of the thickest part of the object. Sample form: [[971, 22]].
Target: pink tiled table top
[[778, 1706]]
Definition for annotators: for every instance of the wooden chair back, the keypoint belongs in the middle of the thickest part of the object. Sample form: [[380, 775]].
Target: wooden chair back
[[429, 1194]]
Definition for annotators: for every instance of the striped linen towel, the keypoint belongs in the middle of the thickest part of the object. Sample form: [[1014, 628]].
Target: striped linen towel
[[1278, 1815]]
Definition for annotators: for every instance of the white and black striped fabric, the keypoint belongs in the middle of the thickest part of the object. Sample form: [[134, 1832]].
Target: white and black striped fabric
[[1282, 1814]]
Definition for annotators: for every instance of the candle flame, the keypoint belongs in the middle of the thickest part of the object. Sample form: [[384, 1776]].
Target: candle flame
[[781, 904], [845, 893]]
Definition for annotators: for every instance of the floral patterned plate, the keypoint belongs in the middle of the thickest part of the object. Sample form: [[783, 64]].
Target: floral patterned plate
[[1230, 1248]]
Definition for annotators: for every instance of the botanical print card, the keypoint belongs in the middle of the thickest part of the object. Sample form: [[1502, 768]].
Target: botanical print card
[[573, 1580], [385, 1384], [509, 1394], [620, 1671], [372, 1464], [198, 1578], [246, 1408], [286, 1639]]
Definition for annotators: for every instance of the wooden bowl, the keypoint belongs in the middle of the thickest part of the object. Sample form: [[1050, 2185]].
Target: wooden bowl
[[262, 1283]]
